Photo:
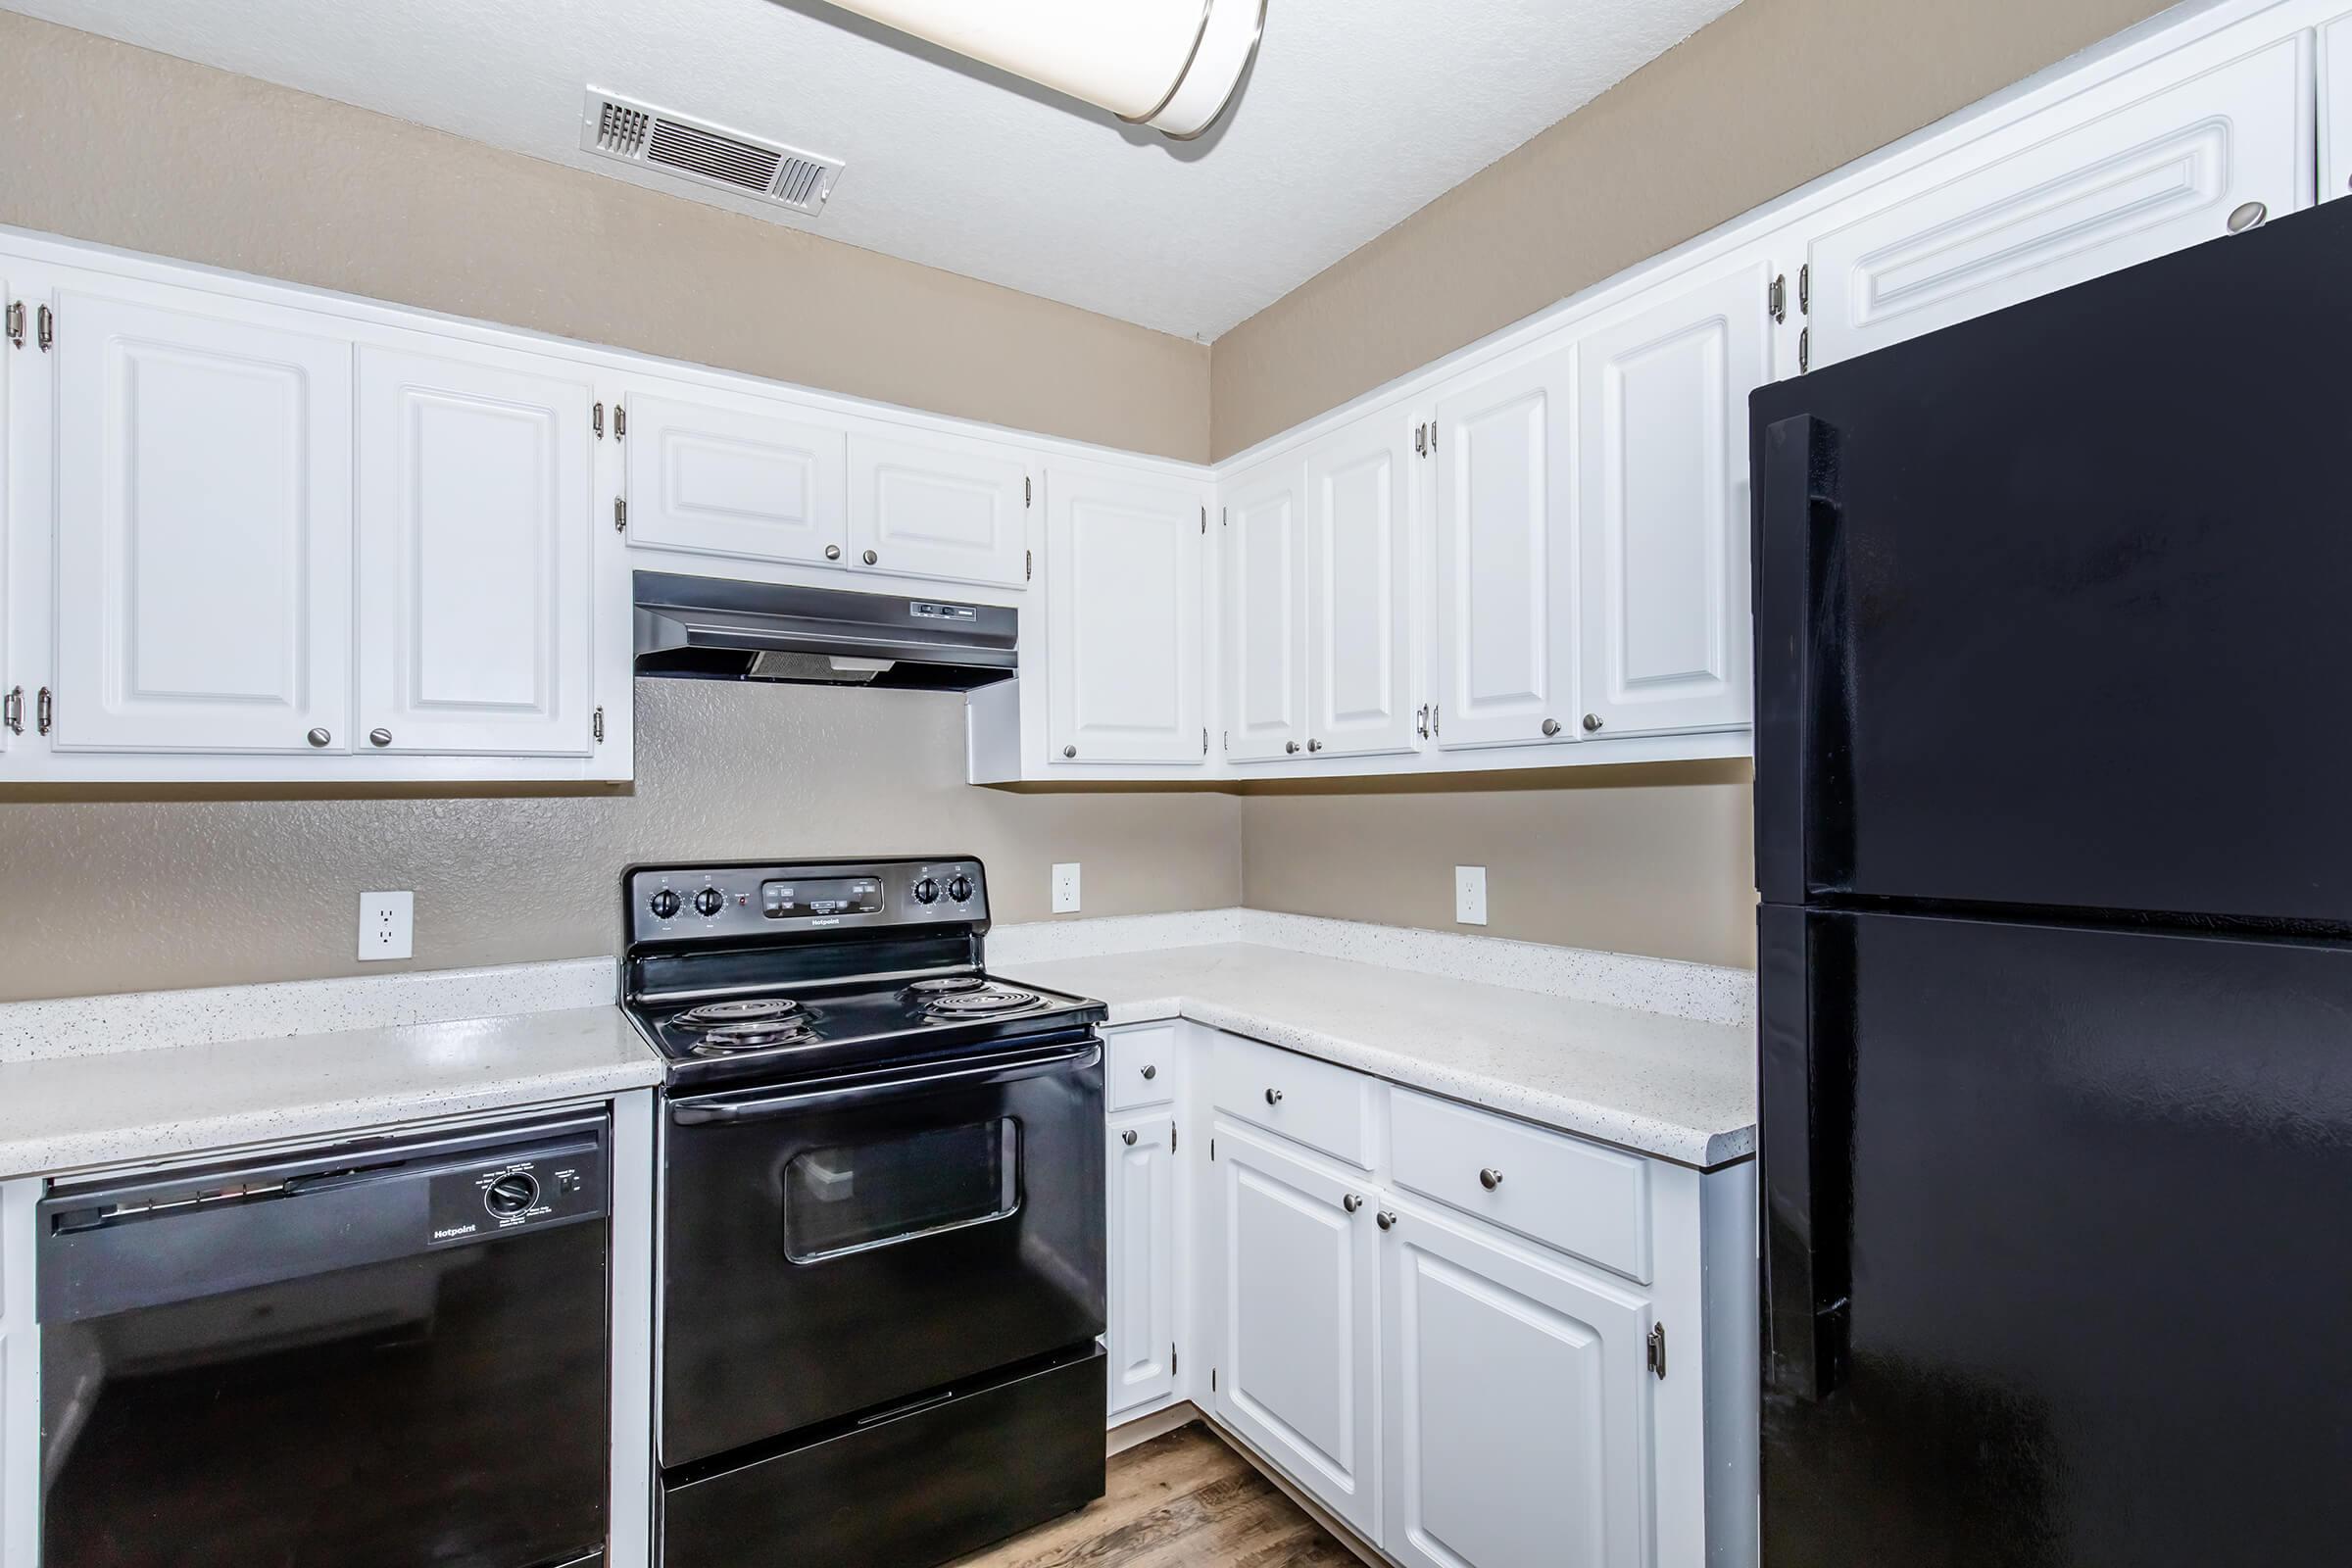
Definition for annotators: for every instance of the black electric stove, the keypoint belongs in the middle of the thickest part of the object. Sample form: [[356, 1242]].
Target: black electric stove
[[882, 1216]]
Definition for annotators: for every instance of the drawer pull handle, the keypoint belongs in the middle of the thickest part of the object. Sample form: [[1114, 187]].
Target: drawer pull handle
[[1128, 1138], [1385, 1220], [1273, 1096], [1352, 1202], [1490, 1178], [1150, 1072]]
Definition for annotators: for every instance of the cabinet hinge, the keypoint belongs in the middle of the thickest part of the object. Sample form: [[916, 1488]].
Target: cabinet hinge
[[1226, 739], [621, 421], [595, 726], [1804, 350], [1028, 566], [1027, 499], [1171, 1138], [1804, 289], [1171, 1361], [1421, 439], [1432, 438], [1212, 1149], [1204, 740], [12, 710], [596, 420], [1657, 1349], [1212, 1380], [1775, 297], [47, 333], [1205, 519], [15, 323], [620, 515], [1224, 516], [1432, 721], [45, 712]]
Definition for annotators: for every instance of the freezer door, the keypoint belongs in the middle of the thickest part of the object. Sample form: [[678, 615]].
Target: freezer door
[[2051, 605], [2054, 1234]]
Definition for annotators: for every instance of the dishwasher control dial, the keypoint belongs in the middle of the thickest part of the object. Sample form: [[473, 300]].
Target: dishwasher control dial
[[512, 1194]]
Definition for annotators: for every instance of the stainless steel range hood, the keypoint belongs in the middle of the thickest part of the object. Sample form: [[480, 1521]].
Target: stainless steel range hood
[[721, 628]]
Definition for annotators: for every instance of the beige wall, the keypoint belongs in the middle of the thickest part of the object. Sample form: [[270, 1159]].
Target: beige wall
[[128, 895], [102, 141], [1630, 859], [1772, 94]]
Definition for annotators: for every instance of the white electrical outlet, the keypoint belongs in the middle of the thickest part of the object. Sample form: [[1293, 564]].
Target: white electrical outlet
[[387, 924], [1470, 895], [1065, 887]]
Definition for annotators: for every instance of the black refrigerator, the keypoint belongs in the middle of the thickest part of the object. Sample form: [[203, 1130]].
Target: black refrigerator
[[2054, 841]]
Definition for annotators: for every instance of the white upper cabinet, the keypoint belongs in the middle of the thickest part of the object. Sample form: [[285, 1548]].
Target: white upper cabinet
[[938, 507], [1125, 660], [1360, 589], [203, 524], [1264, 540], [2335, 109], [1663, 471], [1140, 1254], [14, 706], [2105, 179], [1299, 1321], [476, 529], [1516, 1398], [734, 475], [1506, 556]]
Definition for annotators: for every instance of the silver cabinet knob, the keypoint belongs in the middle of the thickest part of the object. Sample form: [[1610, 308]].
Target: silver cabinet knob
[[1273, 1096], [832, 552], [1490, 1178], [1289, 746], [1314, 745], [1352, 1202], [1551, 726], [1150, 1072], [1069, 751], [1128, 1138], [379, 737], [1385, 1220], [871, 558], [2247, 215], [318, 737], [1592, 722]]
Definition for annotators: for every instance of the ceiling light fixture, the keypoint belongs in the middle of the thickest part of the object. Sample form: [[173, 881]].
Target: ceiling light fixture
[[1172, 64]]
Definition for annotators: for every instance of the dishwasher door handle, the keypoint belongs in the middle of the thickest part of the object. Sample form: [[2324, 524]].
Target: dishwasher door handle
[[838, 1095]]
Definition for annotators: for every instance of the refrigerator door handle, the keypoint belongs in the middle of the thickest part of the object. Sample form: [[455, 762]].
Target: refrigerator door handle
[[1806, 1092], [1803, 698]]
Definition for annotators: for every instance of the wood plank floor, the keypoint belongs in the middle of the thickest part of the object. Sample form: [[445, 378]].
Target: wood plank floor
[[1182, 1501]]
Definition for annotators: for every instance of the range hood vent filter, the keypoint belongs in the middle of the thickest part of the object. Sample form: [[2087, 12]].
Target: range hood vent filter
[[720, 628]]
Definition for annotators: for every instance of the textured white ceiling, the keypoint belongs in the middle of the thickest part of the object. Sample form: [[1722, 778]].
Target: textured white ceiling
[[1358, 112]]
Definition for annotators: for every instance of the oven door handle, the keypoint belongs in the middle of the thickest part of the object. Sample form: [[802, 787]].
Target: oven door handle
[[692, 1114]]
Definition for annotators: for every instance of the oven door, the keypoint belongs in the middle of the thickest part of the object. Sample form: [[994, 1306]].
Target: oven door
[[839, 1245]]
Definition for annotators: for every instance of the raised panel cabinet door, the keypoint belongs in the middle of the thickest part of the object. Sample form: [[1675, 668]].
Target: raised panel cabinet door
[[1301, 1368], [1142, 1259], [2089, 186], [1265, 636], [2335, 109], [1506, 557], [1518, 1407], [15, 705], [1663, 461], [732, 475], [1124, 668], [1359, 577], [937, 507], [204, 526], [477, 538]]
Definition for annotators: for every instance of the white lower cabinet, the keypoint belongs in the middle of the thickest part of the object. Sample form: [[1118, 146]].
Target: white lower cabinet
[[1517, 1405], [1141, 1261]]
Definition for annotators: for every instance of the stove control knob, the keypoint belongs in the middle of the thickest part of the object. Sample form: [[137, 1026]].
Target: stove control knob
[[512, 1194], [665, 904], [959, 888], [709, 902], [926, 891]]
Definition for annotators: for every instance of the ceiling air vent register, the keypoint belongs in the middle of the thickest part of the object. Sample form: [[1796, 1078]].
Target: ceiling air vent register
[[632, 132]]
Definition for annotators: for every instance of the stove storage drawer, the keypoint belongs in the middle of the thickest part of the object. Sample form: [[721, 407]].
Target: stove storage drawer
[[1142, 1066], [1580, 1197], [1325, 1108]]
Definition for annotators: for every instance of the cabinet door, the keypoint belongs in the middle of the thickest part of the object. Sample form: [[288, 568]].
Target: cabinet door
[[1506, 557], [1300, 1318], [936, 507], [15, 704], [1518, 1407], [1123, 609], [1142, 1259], [1265, 638], [1663, 465], [734, 477], [204, 526], [2079, 190], [476, 529], [2335, 109], [1360, 578]]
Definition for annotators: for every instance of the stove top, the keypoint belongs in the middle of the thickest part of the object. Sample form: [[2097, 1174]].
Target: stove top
[[766, 973]]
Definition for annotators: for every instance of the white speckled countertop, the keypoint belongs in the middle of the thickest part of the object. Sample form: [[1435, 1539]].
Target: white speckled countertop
[[1677, 1088], [114, 1106]]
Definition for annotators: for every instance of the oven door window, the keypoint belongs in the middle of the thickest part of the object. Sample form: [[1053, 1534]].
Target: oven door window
[[852, 1197]]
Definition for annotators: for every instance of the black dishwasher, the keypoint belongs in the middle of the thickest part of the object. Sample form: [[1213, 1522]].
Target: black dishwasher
[[389, 1353]]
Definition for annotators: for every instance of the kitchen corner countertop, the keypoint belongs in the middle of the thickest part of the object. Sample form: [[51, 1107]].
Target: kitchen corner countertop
[[1665, 1086], [107, 1108]]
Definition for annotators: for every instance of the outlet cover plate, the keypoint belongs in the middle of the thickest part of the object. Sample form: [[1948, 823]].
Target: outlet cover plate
[[1065, 887], [1470, 895], [387, 925]]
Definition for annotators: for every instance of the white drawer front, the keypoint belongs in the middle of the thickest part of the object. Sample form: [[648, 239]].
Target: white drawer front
[[1323, 1106], [1582, 1199], [1142, 1066]]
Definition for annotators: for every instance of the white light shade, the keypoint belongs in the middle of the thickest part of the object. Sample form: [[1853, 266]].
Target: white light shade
[[1169, 64]]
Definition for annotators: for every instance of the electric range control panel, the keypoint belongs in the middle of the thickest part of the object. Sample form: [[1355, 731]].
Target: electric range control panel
[[687, 902]]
